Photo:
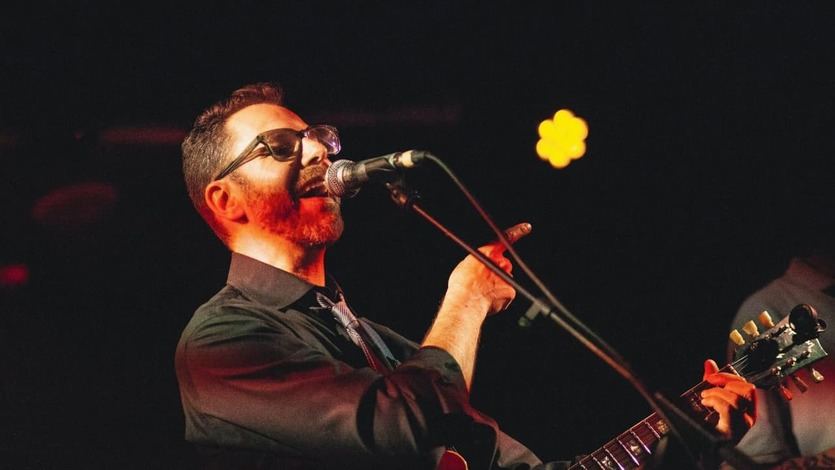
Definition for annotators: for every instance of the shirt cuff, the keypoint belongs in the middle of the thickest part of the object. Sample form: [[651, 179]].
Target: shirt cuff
[[437, 359]]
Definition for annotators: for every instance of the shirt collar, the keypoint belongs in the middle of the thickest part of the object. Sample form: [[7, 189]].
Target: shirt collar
[[265, 284]]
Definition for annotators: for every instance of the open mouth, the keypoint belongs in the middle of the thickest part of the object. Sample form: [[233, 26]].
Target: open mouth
[[311, 182], [311, 188]]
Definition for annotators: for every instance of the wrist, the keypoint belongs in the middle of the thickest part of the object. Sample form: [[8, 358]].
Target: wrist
[[465, 306]]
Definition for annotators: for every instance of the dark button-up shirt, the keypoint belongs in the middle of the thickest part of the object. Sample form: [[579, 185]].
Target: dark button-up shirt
[[268, 380]]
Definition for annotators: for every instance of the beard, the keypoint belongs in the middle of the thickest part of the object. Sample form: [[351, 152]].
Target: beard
[[307, 221]]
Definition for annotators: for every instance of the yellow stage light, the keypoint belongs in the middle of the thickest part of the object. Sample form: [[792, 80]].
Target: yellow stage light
[[562, 139]]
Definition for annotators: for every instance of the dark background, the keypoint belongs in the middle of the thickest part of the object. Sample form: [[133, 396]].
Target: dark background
[[708, 163]]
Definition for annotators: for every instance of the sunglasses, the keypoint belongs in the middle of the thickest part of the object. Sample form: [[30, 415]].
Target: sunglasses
[[284, 145]]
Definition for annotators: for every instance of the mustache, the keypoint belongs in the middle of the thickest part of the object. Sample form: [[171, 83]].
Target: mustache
[[311, 181]]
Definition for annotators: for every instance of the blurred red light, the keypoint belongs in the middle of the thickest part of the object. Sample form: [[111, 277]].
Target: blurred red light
[[14, 275], [75, 206]]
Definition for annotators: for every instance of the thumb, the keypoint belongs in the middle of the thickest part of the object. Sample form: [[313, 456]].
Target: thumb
[[710, 368]]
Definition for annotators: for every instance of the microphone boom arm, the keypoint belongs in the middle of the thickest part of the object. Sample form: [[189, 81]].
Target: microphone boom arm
[[560, 315]]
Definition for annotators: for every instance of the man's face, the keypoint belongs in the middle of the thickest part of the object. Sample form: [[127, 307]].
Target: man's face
[[276, 193]]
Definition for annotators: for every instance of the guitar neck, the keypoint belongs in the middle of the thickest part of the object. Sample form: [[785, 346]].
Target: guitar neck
[[634, 447], [769, 359]]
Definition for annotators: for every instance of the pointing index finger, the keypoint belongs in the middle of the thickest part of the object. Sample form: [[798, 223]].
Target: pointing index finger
[[517, 231], [512, 234]]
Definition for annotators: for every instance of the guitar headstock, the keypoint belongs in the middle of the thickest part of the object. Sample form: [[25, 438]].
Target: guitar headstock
[[766, 360], [771, 357]]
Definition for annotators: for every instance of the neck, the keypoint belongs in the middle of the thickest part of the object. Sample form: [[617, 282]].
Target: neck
[[305, 262]]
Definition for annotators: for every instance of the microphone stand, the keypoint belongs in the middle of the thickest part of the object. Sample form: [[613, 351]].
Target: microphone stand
[[679, 422]]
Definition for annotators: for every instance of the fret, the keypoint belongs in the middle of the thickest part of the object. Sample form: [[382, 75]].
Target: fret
[[598, 462], [636, 450], [588, 463], [645, 435], [605, 460], [693, 398], [628, 452], [611, 456], [651, 429], [658, 426], [619, 454], [694, 401]]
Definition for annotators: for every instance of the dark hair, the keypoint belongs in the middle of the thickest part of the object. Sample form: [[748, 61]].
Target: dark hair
[[205, 147]]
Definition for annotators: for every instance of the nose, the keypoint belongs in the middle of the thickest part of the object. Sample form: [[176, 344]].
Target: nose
[[313, 153]]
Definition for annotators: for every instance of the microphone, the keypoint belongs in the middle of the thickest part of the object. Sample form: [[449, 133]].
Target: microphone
[[344, 177]]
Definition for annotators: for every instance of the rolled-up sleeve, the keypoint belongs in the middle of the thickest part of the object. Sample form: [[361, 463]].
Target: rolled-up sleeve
[[237, 371]]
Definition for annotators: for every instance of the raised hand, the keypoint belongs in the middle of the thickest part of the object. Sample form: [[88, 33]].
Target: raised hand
[[473, 284], [473, 293]]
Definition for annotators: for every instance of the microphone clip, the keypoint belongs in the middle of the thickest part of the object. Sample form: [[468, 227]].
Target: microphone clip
[[402, 195]]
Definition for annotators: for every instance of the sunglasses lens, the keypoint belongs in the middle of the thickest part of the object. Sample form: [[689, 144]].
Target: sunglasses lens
[[283, 145], [327, 136]]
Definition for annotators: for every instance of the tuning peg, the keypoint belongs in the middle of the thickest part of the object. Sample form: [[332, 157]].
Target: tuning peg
[[817, 377], [736, 338], [799, 383], [765, 319], [804, 320], [784, 392], [751, 329]]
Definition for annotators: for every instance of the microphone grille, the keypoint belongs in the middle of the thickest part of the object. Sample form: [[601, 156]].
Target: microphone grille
[[335, 179]]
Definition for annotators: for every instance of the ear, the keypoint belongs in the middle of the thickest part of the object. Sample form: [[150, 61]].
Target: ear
[[224, 201]]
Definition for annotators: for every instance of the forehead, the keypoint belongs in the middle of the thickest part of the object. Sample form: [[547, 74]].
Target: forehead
[[245, 124]]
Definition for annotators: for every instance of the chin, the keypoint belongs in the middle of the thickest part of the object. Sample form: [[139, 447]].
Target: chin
[[323, 232], [315, 224], [309, 221]]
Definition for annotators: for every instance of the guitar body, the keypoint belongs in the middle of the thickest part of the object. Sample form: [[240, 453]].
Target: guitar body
[[452, 460]]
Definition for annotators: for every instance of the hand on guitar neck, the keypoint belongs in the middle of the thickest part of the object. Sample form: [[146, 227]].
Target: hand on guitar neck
[[733, 398], [725, 397]]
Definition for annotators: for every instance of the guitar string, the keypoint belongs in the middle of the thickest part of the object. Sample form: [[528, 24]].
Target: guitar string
[[740, 363]]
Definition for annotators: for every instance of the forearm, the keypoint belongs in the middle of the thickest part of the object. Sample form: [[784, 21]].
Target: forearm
[[473, 292], [456, 330]]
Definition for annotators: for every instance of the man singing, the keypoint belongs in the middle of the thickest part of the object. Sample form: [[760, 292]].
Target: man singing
[[276, 371]]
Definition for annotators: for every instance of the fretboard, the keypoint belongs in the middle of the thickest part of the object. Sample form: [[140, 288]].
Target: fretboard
[[634, 447]]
